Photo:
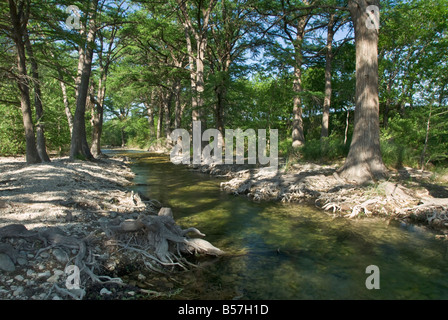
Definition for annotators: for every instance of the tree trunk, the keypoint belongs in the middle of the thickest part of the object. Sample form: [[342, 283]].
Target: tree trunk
[[364, 161], [328, 89], [160, 117], [150, 112], [67, 110], [425, 146], [177, 105], [41, 145], [298, 137], [197, 74], [97, 116], [79, 147], [167, 115], [221, 93], [347, 122], [19, 20]]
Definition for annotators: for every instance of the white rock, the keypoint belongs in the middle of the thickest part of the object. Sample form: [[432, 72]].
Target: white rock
[[44, 274], [19, 277], [58, 272], [53, 279]]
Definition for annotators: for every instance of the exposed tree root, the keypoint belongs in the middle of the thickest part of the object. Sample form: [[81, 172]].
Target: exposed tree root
[[158, 239]]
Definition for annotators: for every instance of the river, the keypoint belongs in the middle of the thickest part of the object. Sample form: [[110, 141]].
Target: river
[[288, 251]]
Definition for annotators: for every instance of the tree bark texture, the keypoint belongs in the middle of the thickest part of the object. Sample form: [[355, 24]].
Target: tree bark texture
[[298, 137], [328, 89], [40, 135], [19, 20], [364, 161], [79, 147]]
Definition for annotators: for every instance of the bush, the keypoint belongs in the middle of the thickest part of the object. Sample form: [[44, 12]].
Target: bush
[[12, 137], [325, 149]]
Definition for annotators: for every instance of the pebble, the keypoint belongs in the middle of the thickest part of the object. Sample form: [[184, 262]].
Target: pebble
[[43, 274], [6, 263], [60, 255], [53, 279], [19, 278], [30, 273], [58, 272], [18, 291], [22, 261]]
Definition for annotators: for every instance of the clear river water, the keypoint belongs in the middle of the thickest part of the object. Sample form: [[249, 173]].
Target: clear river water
[[288, 251]]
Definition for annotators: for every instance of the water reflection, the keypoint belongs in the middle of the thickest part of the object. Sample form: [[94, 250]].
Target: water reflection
[[285, 251]]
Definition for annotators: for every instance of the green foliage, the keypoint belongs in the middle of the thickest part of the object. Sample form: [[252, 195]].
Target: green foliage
[[138, 131], [403, 141], [11, 131], [325, 149]]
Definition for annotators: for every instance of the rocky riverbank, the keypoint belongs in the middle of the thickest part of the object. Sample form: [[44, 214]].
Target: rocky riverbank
[[408, 194], [73, 230]]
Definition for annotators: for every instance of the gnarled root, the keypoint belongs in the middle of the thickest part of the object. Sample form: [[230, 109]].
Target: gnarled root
[[159, 239]]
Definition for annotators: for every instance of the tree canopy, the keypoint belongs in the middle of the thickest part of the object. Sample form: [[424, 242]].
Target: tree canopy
[[78, 75]]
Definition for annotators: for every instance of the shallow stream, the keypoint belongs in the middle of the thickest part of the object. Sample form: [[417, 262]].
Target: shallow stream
[[289, 251]]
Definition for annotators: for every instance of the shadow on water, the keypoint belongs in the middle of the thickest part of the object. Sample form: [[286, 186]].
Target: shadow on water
[[290, 251]]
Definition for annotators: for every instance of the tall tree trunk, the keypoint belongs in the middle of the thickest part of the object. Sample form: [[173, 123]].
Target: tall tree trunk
[[177, 105], [298, 137], [347, 122], [19, 20], [201, 47], [192, 69], [364, 161], [221, 93], [67, 110], [328, 89], [425, 146], [40, 142], [168, 97], [97, 116], [202, 18], [150, 112], [160, 116], [79, 147]]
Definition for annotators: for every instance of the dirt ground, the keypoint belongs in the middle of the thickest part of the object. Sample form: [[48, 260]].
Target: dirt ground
[[57, 214]]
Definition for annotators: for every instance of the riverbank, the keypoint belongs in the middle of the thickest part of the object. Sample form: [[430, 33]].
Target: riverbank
[[81, 214], [408, 195]]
